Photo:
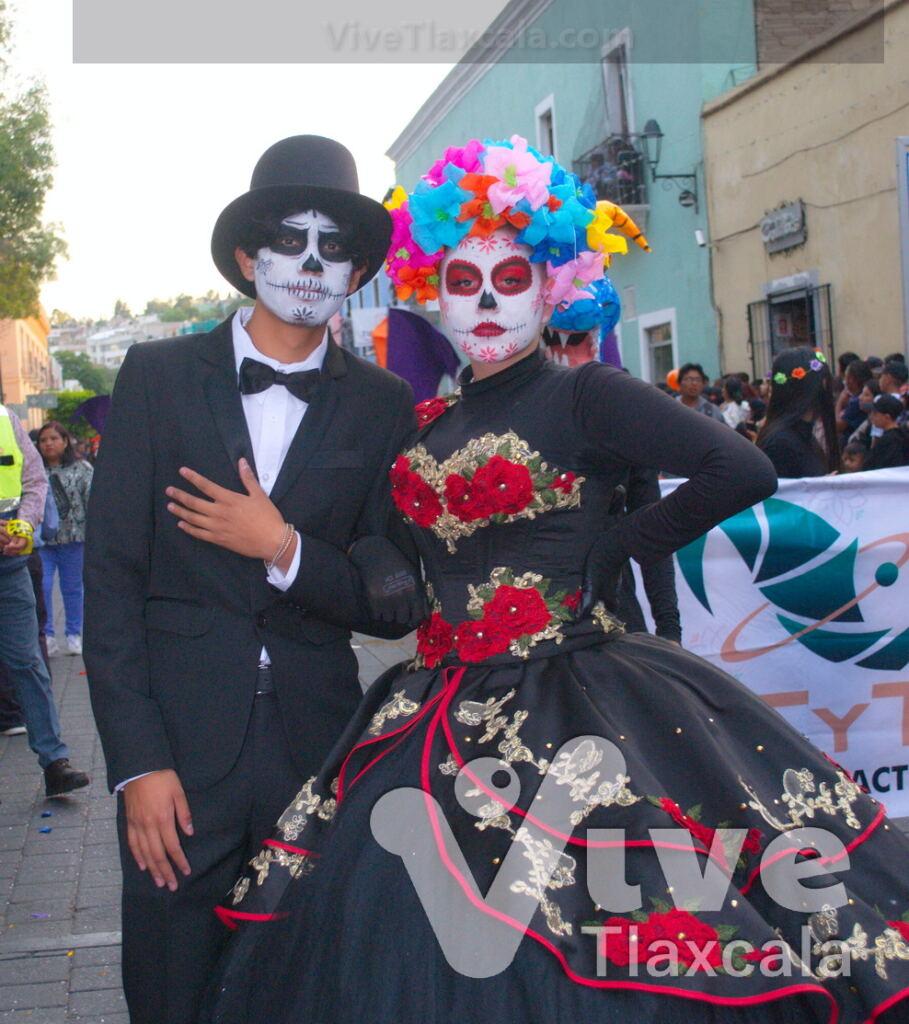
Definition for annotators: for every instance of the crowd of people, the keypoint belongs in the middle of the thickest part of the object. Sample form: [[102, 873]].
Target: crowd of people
[[808, 420]]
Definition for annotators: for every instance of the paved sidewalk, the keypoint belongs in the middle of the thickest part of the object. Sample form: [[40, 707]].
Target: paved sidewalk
[[60, 874]]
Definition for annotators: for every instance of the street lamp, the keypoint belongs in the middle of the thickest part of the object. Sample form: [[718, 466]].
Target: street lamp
[[652, 139]]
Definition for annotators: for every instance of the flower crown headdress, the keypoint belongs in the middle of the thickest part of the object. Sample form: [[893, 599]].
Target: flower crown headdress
[[799, 372], [482, 186]]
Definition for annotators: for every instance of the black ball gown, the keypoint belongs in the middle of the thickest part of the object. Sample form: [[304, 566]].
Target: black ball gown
[[506, 487]]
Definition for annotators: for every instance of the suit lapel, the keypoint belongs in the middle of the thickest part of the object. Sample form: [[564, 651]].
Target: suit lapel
[[223, 395], [315, 424]]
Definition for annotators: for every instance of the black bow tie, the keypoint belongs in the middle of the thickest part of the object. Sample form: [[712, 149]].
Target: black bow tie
[[256, 377]]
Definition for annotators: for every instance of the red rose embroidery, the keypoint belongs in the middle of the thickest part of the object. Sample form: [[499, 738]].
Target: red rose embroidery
[[517, 610], [626, 946], [687, 934], [465, 501], [902, 927], [563, 482], [434, 639], [430, 409], [752, 842], [508, 487], [699, 831], [572, 601], [412, 495], [478, 640]]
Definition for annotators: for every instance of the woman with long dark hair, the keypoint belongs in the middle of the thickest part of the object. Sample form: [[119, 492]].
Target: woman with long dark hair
[[799, 432], [70, 480]]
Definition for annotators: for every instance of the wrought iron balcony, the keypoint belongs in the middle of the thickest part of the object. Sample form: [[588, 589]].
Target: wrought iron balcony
[[616, 169]]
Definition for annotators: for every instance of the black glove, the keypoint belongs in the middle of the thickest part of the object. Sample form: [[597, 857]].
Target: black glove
[[393, 590], [602, 573]]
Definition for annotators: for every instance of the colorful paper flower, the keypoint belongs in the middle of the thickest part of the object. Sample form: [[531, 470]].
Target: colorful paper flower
[[521, 175], [466, 157], [435, 215], [600, 308], [397, 198], [780, 378], [798, 373], [567, 281], [421, 283]]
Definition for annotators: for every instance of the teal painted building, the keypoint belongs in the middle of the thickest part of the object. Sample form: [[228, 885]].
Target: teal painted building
[[637, 61]]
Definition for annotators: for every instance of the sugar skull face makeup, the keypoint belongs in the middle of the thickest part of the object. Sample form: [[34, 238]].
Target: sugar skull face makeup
[[491, 297], [303, 276]]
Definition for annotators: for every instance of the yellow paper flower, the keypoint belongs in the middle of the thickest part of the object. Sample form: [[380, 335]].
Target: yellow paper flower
[[397, 198]]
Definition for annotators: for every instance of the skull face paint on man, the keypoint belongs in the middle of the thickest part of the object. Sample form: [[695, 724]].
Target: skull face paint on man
[[492, 298], [304, 275]]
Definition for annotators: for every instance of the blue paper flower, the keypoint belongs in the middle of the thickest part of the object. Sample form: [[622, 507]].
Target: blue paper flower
[[602, 310], [435, 215]]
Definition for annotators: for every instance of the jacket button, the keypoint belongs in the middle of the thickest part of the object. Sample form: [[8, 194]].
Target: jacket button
[[261, 621]]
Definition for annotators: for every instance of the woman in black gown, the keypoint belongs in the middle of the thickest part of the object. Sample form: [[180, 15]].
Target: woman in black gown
[[507, 489]]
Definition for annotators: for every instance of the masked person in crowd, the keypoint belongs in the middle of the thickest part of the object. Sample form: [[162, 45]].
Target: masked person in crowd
[[450, 859], [240, 485]]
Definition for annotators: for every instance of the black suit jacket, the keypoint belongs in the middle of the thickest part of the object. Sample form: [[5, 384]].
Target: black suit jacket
[[174, 626]]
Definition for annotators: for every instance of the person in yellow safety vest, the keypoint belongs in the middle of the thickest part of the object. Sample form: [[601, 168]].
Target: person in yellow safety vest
[[23, 489]]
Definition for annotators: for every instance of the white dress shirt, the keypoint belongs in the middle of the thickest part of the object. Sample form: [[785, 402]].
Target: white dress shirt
[[272, 418]]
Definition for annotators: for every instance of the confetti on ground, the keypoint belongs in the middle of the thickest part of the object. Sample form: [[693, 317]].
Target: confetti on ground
[[46, 829], [40, 917], [47, 814]]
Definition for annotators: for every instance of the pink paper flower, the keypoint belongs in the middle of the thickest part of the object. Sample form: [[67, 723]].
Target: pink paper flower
[[466, 157], [521, 176], [568, 281]]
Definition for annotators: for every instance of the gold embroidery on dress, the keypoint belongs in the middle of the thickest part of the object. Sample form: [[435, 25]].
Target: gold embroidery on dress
[[573, 768], [399, 706], [468, 459], [449, 766], [239, 891], [798, 789], [306, 803], [889, 945], [549, 869], [296, 863], [472, 712], [606, 620]]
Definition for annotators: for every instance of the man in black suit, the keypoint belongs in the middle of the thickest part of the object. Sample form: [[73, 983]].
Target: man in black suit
[[219, 684]]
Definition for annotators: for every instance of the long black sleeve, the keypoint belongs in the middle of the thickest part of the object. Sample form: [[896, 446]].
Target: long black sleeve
[[624, 420], [658, 577]]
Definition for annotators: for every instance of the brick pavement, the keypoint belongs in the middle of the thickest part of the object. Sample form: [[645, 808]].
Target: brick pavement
[[59, 890]]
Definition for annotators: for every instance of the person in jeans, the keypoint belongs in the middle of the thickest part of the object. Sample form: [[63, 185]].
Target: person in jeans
[[23, 487], [70, 480]]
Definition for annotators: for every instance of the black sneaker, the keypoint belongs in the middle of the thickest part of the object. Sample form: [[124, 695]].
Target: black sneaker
[[60, 777]]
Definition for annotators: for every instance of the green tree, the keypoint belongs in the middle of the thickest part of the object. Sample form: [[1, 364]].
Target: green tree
[[28, 248], [121, 309], [77, 366], [67, 403]]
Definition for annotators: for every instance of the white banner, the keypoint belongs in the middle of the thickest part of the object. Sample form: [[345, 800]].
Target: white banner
[[805, 599]]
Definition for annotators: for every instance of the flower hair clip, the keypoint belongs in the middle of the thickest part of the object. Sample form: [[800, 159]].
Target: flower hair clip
[[799, 372]]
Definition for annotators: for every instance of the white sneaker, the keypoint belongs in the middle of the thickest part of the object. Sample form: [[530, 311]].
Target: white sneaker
[[74, 644], [14, 730], [52, 646]]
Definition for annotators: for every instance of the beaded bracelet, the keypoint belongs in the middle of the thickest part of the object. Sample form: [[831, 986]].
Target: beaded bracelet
[[286, 540]]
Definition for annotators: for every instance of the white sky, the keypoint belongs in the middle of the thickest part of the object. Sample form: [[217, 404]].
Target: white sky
[[149, 154]]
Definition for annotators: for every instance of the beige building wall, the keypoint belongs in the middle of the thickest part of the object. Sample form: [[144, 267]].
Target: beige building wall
[[25, 364], [822, 130]]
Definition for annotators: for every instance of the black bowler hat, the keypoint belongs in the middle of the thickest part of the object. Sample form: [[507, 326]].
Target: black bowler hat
[[316, 173]]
